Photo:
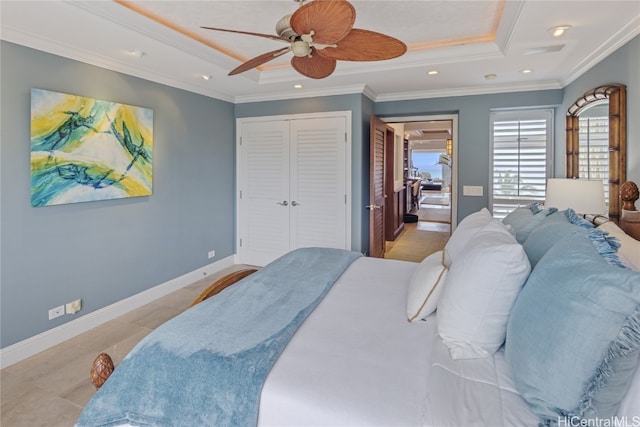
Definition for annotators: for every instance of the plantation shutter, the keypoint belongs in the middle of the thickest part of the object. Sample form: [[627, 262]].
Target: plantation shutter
[[521, 147], [594, 150]]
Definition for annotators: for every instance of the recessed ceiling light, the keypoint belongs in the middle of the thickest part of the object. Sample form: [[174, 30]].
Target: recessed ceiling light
[[490, 76], [205, 76], [136, 53], [559, 30], [297, 86], [527, 71], [433, 72]]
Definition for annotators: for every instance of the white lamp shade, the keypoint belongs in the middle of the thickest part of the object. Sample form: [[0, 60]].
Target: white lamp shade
[[584, 196]]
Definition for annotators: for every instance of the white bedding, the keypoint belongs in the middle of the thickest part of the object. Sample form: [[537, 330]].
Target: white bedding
[[357, 361]]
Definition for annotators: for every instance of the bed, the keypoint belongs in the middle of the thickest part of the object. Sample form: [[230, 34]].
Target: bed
[[370, 348]]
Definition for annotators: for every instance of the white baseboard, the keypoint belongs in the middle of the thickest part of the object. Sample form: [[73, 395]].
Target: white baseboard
[[33, 345]]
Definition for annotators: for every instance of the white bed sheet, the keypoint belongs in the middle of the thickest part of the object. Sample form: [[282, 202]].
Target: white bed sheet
[[357, 361]]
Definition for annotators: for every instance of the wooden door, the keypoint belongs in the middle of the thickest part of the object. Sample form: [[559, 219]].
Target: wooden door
[[318, 183], [264, 192], [376, 188]]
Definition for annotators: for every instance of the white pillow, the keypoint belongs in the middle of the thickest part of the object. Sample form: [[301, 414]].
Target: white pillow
[[629, 250], [480, 288], [425, 287], [467, 228]]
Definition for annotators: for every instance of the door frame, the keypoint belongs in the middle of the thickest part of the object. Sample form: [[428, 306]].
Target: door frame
[[347, 115], [454, 157]]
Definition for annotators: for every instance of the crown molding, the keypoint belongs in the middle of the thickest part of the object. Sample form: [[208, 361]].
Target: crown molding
[[466, 91], [624, 35]]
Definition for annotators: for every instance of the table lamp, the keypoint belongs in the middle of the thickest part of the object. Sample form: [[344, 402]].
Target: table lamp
[[584, 196]]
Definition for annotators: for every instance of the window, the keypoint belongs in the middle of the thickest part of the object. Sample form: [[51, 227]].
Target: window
[[593, 160], [426, 162], [521, 151]]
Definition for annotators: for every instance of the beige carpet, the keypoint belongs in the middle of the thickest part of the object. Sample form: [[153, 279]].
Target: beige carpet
[[414, 243], [434, 215]]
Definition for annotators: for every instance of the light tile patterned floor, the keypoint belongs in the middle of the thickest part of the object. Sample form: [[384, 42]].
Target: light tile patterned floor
[[51, 388]]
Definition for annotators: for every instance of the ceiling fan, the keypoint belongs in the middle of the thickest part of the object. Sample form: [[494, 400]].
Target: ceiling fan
[[320, 33]]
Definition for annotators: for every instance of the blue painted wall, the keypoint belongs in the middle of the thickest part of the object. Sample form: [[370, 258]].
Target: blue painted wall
[[109, 250], [622, 66], [473, 131], [106, 251]]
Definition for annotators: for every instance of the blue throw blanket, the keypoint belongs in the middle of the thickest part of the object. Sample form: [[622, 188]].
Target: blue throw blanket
[[206, 367]]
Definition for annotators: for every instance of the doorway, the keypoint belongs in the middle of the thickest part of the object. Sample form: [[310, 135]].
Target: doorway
[[431, 159]]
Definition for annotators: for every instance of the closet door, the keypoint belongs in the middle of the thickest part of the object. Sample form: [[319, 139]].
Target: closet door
[[293, 187], [264, 192], [318, 183]]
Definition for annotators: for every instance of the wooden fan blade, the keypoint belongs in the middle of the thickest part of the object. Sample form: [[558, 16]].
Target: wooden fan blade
[[266, 36], [365, 45], [316, 66], [330, 20], [259, 60]]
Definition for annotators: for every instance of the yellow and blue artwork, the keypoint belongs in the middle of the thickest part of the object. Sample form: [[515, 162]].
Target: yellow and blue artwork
[[83, 149]]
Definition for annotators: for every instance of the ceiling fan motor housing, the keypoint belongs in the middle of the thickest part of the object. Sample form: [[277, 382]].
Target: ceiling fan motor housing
[[283, 28]]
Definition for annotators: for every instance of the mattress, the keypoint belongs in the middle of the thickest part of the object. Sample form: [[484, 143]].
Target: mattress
[[357, 361]]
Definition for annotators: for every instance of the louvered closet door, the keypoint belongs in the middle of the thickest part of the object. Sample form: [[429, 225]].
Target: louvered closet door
[[318, 183], [264, 198]]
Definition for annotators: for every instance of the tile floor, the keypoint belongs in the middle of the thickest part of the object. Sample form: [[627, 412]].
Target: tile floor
[[418, 240], [51, 388]]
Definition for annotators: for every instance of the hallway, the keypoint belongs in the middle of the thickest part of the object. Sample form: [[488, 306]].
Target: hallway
[[418, 240]]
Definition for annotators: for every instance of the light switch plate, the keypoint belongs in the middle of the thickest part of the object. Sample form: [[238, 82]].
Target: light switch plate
[[472, 190]]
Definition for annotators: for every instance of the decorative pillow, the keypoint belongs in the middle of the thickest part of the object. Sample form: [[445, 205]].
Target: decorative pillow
[[480, 288], [467, 228], [573, 338], [544, 237], [577, 219], [629, 247], [524, 220], [606, 245], [425, 287]]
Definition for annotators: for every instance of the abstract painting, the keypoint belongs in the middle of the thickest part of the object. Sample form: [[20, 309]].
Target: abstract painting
[[83, 149]]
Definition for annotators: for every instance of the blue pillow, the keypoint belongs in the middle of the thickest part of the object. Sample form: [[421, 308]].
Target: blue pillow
[[573, 336], [607, 246], [524, 220], [576, 219], [548, 234]]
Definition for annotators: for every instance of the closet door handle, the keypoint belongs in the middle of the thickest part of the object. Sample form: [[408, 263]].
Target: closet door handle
[[283, 203], [294, 203]]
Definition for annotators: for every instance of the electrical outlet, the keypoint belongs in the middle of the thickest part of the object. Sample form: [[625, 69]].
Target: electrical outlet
[[56, 312], [211, 254], [74, 306]]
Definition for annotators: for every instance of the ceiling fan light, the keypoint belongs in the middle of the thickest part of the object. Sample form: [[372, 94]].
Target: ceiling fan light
[[300, 48]]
